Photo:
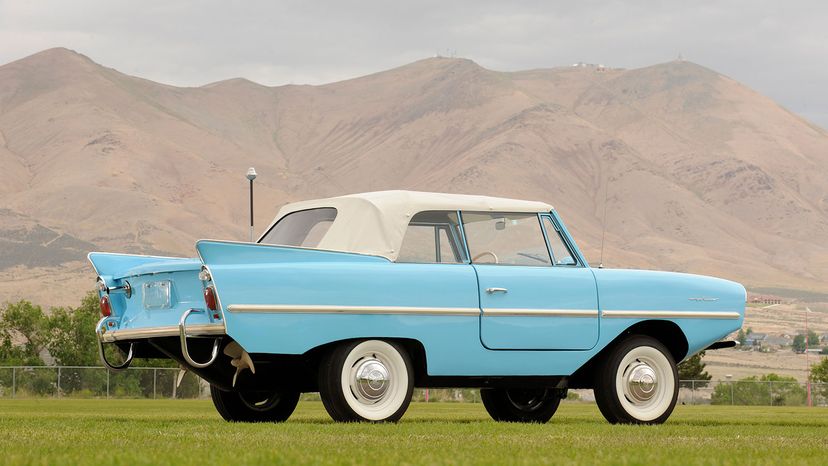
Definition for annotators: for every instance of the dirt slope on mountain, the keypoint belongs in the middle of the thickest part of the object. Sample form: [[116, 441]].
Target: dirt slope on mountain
[[699, 173]]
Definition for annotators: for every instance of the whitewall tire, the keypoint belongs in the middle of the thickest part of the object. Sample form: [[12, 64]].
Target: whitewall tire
[[637, 382], [370, 380]]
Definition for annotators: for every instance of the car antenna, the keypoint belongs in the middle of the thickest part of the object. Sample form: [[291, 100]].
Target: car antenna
[[604, 224]]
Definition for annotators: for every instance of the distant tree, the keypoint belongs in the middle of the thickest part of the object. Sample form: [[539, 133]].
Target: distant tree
[[769, 389], [749, 330], [71, 336], [22, 343], [67, 334], [693, 369], [799, 343], [813, 339], [819, 374], [21, 334], [741, 337]]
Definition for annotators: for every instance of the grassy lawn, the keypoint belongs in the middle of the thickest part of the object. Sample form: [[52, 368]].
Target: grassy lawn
[[132, 432]]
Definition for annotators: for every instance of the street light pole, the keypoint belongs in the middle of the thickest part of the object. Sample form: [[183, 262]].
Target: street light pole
[[251, 175], [807, 359]]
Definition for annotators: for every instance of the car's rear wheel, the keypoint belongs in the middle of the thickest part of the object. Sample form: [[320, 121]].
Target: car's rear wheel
[[520, 405], [637, 383], [269, 406], [370, 380]]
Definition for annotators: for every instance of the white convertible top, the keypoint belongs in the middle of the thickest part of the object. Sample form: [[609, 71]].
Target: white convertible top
[[375, 222]]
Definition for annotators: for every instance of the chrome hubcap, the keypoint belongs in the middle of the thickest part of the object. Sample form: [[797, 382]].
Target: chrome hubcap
[[641, 382], [370, 381]]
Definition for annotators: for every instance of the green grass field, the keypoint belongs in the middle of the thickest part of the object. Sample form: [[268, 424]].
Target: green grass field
[[132, 432]]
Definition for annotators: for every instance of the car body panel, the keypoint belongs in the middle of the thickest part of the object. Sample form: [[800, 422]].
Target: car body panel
[[284, 300], [716, 305], [542, 308], [130, 314]]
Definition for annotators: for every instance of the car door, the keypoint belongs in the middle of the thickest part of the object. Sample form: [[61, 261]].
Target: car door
[[534, 292]]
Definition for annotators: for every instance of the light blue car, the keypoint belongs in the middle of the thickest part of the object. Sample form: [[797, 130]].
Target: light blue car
[[366, 296]]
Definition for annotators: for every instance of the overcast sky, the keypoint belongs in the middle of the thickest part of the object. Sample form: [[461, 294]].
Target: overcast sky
[[778, 48]]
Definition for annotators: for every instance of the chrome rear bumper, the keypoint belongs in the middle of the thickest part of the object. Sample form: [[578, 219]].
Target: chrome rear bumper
[[193, 330], [182, 331]]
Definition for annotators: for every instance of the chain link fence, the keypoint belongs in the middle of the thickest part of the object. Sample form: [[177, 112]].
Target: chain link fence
[[97, 382], [158, 382], [752, 393]]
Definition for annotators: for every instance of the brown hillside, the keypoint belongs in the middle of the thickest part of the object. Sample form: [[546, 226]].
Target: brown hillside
[[701, 174]]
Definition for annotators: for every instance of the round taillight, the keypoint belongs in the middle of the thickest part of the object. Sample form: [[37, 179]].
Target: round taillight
[[210, 298], [106, 307]]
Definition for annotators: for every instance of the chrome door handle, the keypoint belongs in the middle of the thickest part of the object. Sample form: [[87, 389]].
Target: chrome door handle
[[496, 290]]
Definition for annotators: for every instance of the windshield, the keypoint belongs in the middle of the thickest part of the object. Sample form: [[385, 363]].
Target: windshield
[[304, 228], [505, 239]]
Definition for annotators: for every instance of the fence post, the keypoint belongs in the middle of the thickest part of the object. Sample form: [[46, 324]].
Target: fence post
[[14, 381], [107, 383], [731, 393], [154, 378], [692, 392], [58, 383]]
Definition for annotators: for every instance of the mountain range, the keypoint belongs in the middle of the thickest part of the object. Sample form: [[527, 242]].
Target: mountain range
[[682, 168]]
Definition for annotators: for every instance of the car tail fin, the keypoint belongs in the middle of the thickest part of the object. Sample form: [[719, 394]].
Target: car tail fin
[[123, 265]]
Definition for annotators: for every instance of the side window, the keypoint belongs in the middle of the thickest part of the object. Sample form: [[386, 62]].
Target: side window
[[304, 228], [561, 254], [505, 238], [432, 237]]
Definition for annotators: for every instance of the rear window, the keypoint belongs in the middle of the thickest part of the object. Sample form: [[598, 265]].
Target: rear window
[[304, 228]]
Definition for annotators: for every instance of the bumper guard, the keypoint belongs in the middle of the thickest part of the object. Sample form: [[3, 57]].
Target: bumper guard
[[181, 331]]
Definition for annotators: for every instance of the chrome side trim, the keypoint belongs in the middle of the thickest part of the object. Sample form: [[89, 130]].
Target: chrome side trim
[[464, 311], [670, 314], [540, 312], [169, 331], [328, 309]]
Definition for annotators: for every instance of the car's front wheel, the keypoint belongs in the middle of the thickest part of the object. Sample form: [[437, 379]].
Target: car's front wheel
[[637, 383], [520, 405], [269, 406], [370, 380]]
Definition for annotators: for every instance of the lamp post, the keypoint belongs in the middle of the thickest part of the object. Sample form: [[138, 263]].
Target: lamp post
[[251, 175], [807, 361]]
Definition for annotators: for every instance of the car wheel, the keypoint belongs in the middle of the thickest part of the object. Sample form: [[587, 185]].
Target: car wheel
[[369, 380], [520, 405], [637, 383], [271, 406]]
